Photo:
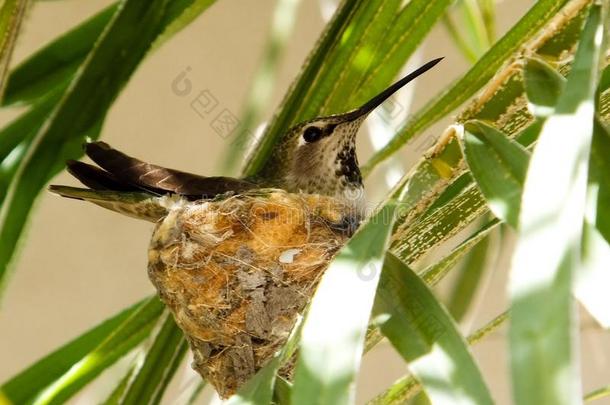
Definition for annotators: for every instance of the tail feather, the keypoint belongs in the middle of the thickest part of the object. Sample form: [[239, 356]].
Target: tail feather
[[138, 189], [135, 204]]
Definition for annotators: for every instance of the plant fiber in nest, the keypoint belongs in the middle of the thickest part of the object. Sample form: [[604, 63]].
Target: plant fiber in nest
[[236, 272]]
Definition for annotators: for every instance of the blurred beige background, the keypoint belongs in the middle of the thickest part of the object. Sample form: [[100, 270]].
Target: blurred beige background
[[82, 264]]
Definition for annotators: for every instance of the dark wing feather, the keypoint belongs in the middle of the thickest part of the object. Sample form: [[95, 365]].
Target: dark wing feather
[[160, 180], [96, 178]]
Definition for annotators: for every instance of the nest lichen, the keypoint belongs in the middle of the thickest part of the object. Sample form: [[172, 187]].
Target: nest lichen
[[235, 273]]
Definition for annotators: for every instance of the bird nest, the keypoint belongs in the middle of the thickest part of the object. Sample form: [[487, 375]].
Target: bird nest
[[236, 272]]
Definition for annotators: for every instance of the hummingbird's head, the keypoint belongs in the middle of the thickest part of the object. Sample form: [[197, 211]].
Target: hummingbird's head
[[319, 156]]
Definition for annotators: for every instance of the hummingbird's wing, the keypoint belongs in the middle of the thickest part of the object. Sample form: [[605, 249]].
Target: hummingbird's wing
[[96, 178], [135, 188], [161, 180]]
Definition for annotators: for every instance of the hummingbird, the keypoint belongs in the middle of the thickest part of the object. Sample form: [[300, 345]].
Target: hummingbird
[[236, 259], [317, 156]]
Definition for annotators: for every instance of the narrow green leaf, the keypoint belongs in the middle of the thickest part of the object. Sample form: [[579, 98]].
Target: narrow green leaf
[[425, 335], [178, 15], [26, 125], [459, 40], [16, 137], [9, 165], [593, 275], [333, 333], [399, 392], [341, 60], [123, 338], [544, 361], [262, 85], [599, 179], [428, 194], [385, 49], [296, 95], [55, 64], [195, 393], [438, 176], [604, 85], [12, 13], [3, 399], [394, 49], [260, 389], [465, 203], [473, 80], [160, 363], [472, 23], [23, 387], [353, 64], [169, 372], [436, 271], [543, 86], [598, 394], [283, 391], [439, 224], [80, 113], [469, 278], [499, 166], [488, 11], [360, 53], [408, 386], [119, 391]]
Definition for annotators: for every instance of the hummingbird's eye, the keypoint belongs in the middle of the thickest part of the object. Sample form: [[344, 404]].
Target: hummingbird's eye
[[312, 134]]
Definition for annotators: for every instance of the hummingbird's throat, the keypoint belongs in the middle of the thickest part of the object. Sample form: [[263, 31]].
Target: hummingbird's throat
[[329, 168]]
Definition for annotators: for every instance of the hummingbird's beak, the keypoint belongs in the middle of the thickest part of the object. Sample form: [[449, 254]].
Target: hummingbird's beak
[[384, 95]]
